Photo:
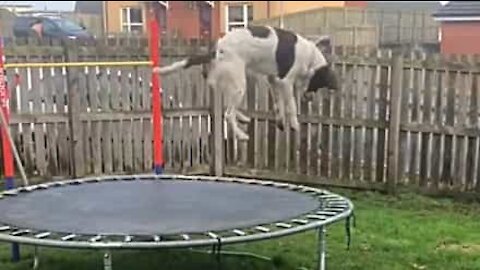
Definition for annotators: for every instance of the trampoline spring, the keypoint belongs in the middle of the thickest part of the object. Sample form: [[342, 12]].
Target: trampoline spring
[[22, 189], [43, 235], [262, 229], [212, 235], [10, 193], [31, 188], [89, 180], [330, 197], [68, 237], [300, 221], [284, 225], [96, 238], [337, 208], [327, 213], [281, 185], [319, 217], [20, 232], [338, 204], [239, 232], [267, 184]]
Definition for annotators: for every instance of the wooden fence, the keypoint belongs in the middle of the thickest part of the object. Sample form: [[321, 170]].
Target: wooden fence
[[97, 120], [397, 121], [362, 27]]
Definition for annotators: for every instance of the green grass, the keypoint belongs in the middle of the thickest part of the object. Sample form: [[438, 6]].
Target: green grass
[[405, 232]]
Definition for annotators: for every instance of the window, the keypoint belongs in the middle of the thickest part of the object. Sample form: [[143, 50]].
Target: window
[[238, 16], [132, 20]]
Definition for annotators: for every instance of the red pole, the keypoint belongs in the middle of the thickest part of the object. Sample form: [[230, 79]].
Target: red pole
[[9, 169], [156, 95], [4, 100]]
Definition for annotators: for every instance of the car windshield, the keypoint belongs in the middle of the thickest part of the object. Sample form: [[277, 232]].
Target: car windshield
[[67, 25]]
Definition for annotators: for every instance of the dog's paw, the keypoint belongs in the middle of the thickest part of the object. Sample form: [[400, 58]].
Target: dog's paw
[[280, 125], [242, 136], [308, 96], [243, 119], [294, 125]]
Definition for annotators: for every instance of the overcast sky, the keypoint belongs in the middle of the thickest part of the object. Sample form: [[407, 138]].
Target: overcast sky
[[49, 5]]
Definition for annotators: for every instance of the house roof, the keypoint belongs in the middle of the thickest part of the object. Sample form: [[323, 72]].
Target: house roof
[[89, 7], [459, 11]]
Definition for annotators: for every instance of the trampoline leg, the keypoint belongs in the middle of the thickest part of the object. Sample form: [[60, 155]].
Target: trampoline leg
[[107, 261], [15, 252], [321, 248], [217, 253], [36, 260]]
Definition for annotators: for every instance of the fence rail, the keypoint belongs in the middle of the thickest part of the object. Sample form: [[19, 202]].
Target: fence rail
[[411, 120]]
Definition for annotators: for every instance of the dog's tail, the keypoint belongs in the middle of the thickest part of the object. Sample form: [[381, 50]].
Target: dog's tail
[[185, 63]]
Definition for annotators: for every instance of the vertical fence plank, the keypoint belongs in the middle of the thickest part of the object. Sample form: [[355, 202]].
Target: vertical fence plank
[[51, 128], [427, 118], [137, 132], [74, 109], [126, 124], [383, 110], [394, 128], [217, 167], [252, 96]]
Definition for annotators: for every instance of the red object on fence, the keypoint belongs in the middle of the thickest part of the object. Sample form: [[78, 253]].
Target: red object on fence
[[4, 105], [156, 94]]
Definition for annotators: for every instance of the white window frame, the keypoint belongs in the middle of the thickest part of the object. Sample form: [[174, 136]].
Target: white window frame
[[127, 23], [245, 16]]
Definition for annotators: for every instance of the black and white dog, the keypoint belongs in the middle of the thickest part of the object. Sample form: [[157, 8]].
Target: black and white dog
[[289, 61]]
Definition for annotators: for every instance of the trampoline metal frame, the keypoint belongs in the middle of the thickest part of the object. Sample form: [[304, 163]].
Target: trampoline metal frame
[[333, 209]]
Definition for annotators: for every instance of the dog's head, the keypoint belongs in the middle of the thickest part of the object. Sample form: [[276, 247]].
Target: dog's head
[[323, 77]]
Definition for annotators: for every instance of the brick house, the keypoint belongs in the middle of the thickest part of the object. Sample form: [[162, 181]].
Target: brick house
[[186, 19], [460, 27], [199, 19]]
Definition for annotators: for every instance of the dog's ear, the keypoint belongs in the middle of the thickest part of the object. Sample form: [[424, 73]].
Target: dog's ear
[[324, 44]]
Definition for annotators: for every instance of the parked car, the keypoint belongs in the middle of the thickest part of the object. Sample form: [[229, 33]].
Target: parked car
[[53, 27]]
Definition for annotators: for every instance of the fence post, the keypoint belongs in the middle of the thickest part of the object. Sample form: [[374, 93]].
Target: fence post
[[217, 146], [73, 105], [394, 123]]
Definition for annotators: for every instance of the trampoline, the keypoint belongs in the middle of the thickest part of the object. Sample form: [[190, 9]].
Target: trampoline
[[164, 211]]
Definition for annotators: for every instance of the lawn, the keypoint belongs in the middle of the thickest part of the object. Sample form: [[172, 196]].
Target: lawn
[[406, 232]]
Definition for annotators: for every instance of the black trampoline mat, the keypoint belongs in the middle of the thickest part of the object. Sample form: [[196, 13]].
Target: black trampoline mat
[[146, 207]]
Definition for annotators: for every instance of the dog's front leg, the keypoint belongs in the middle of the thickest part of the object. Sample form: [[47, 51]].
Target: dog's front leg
[[278, 102], [291, 106]]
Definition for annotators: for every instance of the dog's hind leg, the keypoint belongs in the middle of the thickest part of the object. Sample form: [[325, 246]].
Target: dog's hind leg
[[242, 117], [230, 79]]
